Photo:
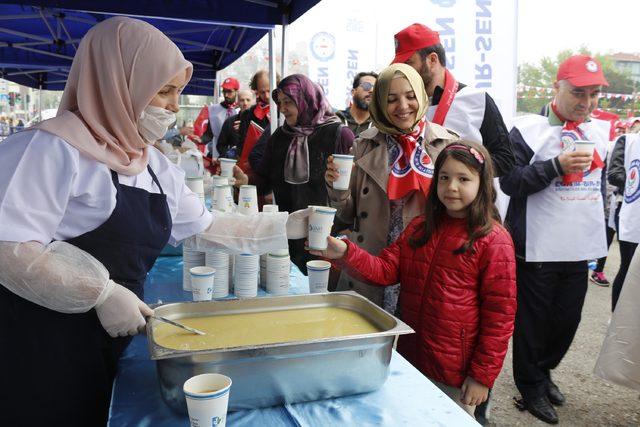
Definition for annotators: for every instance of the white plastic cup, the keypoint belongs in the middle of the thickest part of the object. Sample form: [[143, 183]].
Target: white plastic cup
[[217, 180], [344, 163], [320, 223], [269, 208], [248, 200], [196, 184], [585, 146], [207, 398], [318, 272], [190, 258], [202, 282], [222, 198], [226, 167]]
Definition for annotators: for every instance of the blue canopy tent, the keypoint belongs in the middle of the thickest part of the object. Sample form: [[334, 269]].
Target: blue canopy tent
[[38, 38], [37, 45]]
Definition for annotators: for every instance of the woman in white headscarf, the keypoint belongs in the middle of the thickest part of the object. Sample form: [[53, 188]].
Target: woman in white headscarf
[[86, 206]]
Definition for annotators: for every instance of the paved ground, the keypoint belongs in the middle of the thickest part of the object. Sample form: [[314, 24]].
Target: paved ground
[[590, 400]]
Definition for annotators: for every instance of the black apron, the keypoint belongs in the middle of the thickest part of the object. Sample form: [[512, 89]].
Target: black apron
[[57, 369]]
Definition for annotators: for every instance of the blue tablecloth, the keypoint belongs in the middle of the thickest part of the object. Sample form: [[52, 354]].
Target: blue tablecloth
[[407, 398]]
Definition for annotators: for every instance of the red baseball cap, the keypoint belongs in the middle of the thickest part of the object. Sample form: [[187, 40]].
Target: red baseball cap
[[582, 70], [412, 39], [230, 83]]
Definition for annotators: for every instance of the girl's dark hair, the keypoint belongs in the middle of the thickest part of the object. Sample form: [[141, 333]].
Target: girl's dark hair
[[483, 212]]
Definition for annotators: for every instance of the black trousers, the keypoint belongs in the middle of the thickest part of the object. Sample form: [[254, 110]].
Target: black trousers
[[627, 249], [550, 299], [602, 261]]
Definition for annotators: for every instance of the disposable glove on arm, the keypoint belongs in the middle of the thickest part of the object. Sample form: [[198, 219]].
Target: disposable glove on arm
[[58, 276], [64, 278], [243, 234]]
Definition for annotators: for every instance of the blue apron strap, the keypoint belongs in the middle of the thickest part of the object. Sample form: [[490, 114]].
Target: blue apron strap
[[155, 178]]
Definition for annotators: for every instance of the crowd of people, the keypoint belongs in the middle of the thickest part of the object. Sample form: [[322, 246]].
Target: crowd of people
[[417, 231], [406, 251]]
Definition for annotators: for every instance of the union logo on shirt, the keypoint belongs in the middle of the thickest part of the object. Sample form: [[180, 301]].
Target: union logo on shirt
[[632, 185]]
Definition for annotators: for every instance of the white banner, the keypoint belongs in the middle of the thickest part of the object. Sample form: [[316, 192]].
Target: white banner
[[479, 37], [338, 51]]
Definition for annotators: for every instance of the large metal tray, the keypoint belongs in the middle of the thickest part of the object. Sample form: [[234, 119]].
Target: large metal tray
[[274, 374]]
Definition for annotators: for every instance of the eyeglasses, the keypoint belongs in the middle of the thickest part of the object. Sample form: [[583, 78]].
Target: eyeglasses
[[366, 86]]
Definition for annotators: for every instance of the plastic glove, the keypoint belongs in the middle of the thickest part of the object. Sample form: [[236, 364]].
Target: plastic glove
[[298, 224], [235, 233], [120, 311], [58, 276]]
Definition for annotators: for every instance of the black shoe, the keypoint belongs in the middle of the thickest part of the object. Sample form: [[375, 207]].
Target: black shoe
[[539, 407], [554, 394]]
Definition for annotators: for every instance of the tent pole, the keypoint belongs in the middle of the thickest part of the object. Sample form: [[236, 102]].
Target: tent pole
[[283, 54], [272, 79], [216, 89], [40, 102]]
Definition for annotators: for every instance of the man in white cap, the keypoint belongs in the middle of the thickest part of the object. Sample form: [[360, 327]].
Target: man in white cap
[[556, 220]]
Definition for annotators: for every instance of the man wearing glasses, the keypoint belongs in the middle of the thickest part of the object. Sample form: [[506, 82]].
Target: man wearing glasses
[[356, 116]]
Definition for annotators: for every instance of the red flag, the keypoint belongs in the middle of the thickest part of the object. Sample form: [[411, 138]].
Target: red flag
[[200, 124], [253, 134]]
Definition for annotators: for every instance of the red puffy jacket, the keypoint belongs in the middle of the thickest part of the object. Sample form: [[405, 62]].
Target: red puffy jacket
[[462, 306]]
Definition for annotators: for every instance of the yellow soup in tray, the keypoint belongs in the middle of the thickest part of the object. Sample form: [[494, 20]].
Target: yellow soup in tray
[[235, 330]]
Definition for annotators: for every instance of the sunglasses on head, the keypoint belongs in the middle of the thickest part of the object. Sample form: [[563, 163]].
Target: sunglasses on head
[[366, 85]]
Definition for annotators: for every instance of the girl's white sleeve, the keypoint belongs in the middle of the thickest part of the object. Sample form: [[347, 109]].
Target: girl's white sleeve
[[58, 276]]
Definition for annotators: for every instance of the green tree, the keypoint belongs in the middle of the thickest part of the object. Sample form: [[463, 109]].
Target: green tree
[[543, 75]]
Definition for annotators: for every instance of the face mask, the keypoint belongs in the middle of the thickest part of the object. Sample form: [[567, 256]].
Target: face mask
[[154, 122]]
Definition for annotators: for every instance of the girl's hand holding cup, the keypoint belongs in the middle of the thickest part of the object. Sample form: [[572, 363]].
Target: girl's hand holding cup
[[336, 249]]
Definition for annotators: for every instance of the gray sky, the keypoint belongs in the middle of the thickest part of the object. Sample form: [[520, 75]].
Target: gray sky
[[604, 26], [544, 26]]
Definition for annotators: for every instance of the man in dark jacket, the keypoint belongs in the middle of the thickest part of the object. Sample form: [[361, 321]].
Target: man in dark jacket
[[617, 176], [556, 219], [356, 116]]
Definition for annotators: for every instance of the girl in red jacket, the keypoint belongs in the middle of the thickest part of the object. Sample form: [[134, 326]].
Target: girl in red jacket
[[456, 267]]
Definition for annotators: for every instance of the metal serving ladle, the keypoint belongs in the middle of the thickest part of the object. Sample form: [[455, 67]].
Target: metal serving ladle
[[179, 325]]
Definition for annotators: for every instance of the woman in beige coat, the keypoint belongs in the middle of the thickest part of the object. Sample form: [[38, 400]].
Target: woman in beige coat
[[393, 164]]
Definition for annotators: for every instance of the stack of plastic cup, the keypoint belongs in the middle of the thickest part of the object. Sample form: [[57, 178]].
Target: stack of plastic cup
[[263, 257], [248, 200], [190, 259], [222, 198], [219, 261], [196, 184], [278, 269], [320, 223], [226, 167], [217, 180], [245, 277]]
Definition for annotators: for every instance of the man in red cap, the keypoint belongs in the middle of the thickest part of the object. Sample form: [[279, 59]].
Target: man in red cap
[[470, 113], [556, 219], [216, 114]]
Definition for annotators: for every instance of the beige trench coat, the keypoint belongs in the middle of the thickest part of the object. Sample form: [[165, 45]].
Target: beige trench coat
[[365, 205]]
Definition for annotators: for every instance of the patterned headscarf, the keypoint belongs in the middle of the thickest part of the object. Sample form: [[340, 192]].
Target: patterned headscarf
[[314, 111]]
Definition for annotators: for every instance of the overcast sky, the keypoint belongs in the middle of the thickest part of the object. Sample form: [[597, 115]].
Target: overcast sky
[[544, 26]]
